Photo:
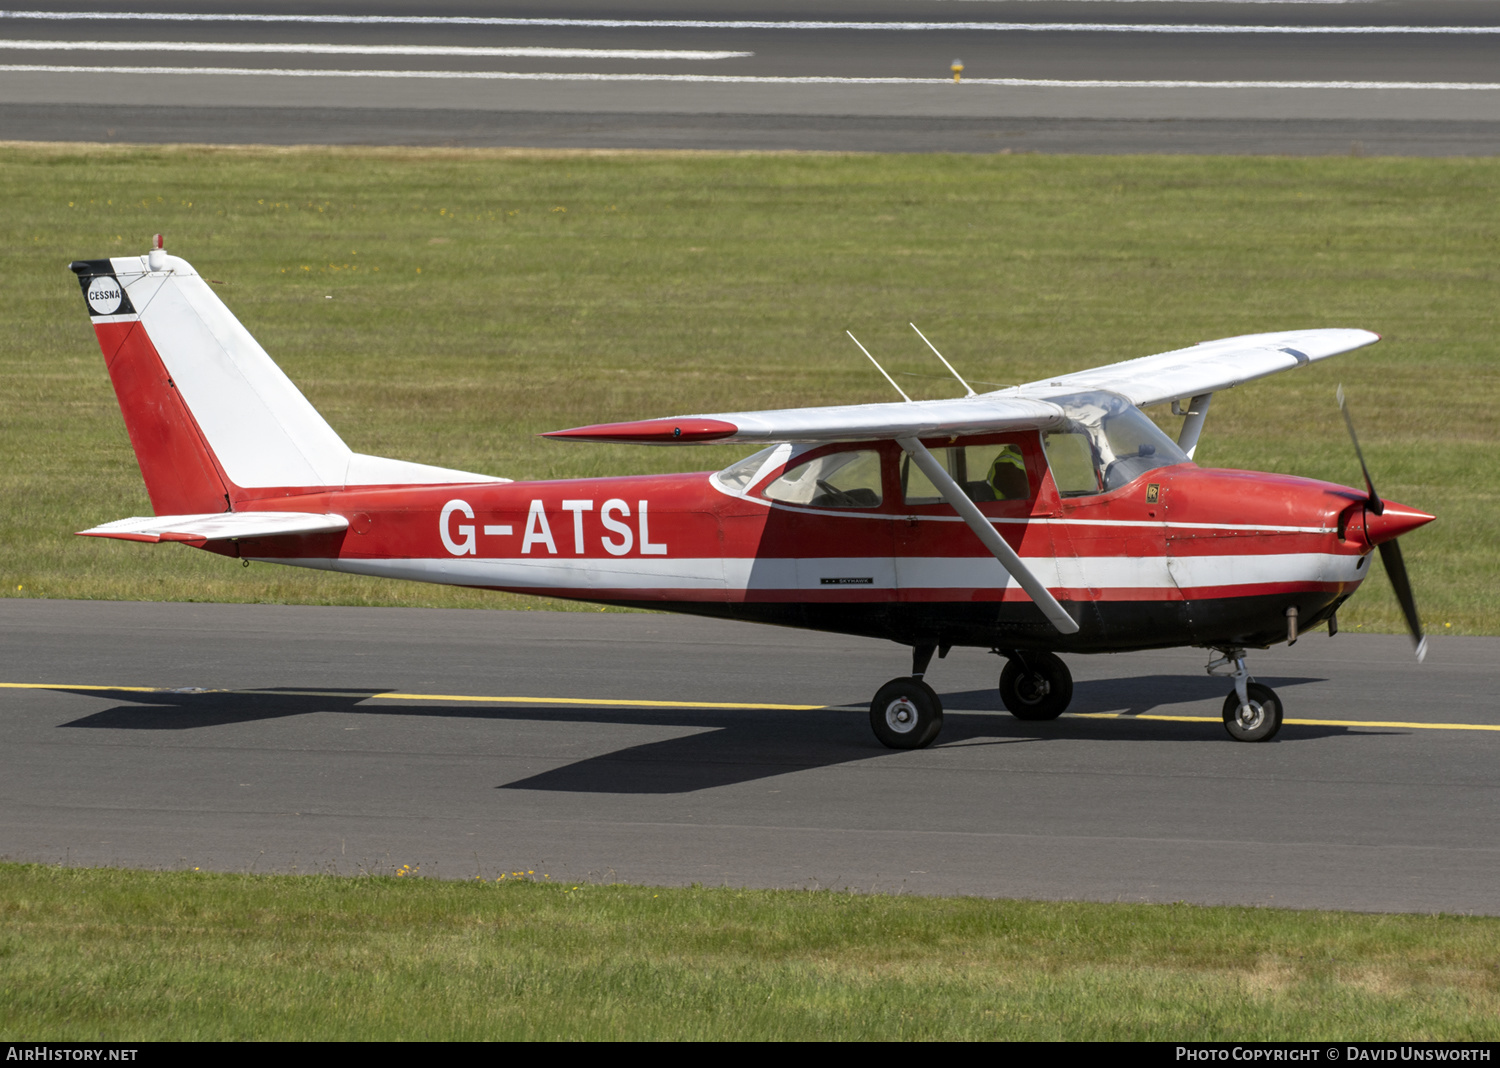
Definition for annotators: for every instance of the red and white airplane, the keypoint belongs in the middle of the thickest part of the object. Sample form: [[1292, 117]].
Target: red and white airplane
[[1044, 518]]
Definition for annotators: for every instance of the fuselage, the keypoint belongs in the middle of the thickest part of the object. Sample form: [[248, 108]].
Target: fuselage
[[1181, 555]]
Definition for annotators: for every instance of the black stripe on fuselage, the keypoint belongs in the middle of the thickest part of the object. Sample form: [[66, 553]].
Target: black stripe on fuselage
[[1104, 626]]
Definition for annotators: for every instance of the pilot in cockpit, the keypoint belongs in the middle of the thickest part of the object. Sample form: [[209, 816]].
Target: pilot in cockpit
[[1007, 475]]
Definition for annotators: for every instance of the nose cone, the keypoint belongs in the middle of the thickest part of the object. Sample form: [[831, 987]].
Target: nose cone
[[1396, 520]]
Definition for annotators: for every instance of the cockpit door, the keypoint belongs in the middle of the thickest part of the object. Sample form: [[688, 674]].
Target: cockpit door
[[938, 558]]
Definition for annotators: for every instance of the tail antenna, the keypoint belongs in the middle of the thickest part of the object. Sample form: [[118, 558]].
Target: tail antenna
[[969, 390], [888, 378]]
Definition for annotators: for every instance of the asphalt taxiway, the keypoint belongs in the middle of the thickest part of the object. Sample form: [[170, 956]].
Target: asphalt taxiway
[[667, 750]]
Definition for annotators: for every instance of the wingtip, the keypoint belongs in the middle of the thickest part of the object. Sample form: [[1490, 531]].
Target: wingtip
[[96, 532], [651, 432]]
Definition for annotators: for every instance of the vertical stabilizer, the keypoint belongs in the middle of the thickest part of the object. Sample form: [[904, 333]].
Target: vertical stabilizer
[[180, 473], [212, 418]]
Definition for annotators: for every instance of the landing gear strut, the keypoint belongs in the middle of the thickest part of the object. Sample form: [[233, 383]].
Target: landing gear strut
[[1035, 686], [1252, 711]]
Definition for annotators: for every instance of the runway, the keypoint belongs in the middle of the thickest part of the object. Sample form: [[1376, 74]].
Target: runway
[[1404, 77], [665, 750]]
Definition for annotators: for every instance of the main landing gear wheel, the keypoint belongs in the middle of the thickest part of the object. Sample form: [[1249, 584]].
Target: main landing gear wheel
[[906, 714], [1036, 686], [1256, 721]]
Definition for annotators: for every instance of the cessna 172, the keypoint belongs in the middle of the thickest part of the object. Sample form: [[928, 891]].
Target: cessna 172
[[1044, 518]]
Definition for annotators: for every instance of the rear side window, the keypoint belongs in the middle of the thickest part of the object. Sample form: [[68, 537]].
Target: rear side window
[[986, 473], [833, 480]]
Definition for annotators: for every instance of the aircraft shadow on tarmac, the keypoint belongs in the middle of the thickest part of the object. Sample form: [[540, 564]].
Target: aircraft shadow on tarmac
[[727, 746]]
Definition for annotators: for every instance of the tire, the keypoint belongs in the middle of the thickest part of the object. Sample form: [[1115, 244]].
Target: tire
[[906, 714], [1265, 718], [1041, 688]]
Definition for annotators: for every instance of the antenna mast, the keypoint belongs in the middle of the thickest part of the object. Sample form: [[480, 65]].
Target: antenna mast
[[888, 378], [968, 390]]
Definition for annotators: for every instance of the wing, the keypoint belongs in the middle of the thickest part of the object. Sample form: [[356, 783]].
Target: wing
[[217, 526], [1206, 367], [846, 422]]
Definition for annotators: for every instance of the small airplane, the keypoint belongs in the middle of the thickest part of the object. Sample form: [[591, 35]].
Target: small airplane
[[1052, 517]]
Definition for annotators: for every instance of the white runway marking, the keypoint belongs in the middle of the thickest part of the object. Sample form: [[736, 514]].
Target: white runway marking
[[740, 79], [364, 50], [740, 24], [1199, 2]]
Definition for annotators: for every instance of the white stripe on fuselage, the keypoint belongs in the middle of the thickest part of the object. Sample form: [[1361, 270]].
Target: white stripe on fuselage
[[856, 572]]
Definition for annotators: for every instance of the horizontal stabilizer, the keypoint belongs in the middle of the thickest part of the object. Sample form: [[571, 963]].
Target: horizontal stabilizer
[[217, 526]]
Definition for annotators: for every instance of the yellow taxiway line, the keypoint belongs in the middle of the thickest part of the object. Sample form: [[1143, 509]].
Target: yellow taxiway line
[[595, 702], [1304, 722], [732, 705]]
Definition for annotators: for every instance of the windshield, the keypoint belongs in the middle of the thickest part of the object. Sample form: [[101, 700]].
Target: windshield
[[1107, 443]]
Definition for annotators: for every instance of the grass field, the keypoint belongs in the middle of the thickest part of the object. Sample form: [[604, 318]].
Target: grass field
[[103, 954], [479, 297]]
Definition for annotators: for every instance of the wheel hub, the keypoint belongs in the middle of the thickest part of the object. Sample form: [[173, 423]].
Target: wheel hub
[[901, 716], [1033, 688], [1251, 715]]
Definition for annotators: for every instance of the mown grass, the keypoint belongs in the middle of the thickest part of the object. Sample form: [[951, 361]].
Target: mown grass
[[479, 297], [107, 954]]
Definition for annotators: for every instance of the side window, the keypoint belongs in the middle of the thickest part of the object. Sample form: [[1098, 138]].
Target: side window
[[1071, 457], [986, 473], [834, 480]]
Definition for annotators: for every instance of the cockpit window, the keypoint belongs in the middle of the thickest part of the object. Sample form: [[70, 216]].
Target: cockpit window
[[1071, 455], [833, 480], [1107, 443]]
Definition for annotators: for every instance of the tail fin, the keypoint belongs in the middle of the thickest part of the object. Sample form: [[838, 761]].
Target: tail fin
[[212, 419]]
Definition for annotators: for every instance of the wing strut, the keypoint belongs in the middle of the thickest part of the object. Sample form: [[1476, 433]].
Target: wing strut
[[1192, 426], [954, 495]]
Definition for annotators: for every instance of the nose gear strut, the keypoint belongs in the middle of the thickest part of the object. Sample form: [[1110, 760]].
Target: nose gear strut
[[1252, 711]]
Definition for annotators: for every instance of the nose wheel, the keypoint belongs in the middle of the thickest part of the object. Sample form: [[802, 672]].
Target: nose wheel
[[1257, 718], [1252, 711]]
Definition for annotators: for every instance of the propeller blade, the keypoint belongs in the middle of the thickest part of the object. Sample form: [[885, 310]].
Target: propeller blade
[[1375, 504], [1395, 569]]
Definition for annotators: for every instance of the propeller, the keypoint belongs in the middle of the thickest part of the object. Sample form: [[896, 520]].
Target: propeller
[[1383, 535]]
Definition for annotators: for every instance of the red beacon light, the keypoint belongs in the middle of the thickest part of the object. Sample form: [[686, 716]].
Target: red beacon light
[[156, 259]]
